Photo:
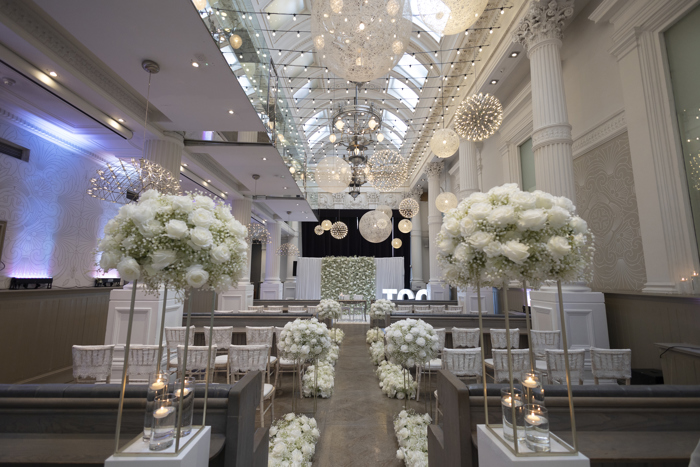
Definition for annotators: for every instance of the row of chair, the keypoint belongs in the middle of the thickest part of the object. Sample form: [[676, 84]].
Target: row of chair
[[423, 309], [274, 309]]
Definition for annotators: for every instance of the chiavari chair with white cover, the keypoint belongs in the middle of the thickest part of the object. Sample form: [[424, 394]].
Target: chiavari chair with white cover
[[245, 358], [285, 365], [273, 310], [521, 364], [223, 311], [312, 309], [611, 364], [249, 312], [255, 335], [175, 336], [556, 368], [296, 309], [465, 337], [260, 308], [498, 338], [221, 338], [143, 362], [453, 309], [439, 309], [543, 340], [403, 309], [196, 361], [92, 362], [463, 363], [421, 308]]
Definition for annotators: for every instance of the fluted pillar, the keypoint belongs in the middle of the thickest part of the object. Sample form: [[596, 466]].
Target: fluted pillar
[[468, 168], [166, 151], [241, 296], [271, 288], [540, 33], [290, 283], [437, 289], [417, 281]]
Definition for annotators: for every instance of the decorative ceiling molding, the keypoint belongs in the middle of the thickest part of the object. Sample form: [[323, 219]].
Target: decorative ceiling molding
[[603, 132]]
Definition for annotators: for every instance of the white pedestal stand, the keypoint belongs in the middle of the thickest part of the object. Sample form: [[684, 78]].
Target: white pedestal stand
[[492, 452], [148, 310], [586, 321], [438, 290], [470, 300], [196, 453], [290, 289], [236, 298], [271, 291]]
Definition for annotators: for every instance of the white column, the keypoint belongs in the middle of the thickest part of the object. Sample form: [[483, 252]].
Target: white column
[[166, 151], [290, 283], [468, 168], [271, 288], [437, 289], [241, 296], [417, 281]]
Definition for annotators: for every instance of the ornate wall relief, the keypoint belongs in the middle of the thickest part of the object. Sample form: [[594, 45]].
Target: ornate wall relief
[[606, 199]]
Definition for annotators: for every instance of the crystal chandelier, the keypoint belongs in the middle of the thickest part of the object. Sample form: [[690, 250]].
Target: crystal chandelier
[[258, 233], [287, 249], [387, 170], [478, 117], [444, 143], [355, 127], [125, 181], [447, 17], [408, 207], [446, 201], [375, 226], [339, 230], [360, 40]]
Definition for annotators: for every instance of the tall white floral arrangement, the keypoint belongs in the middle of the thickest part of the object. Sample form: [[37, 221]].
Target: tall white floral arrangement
[[186, 242], [329, 309], [508, 234], [293, 441], [411, 342], [381, 307], [304, 339]]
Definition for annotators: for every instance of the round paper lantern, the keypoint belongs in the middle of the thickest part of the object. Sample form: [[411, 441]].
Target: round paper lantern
[[446, 201], [333, 174], [478, 117], [387, 170], [450, 16], [444, 142], [339, 230], [385, 209], [370, 229], [326, 225], [235, 41], [405, 226], [396, 243], [409, 207], [318, 230], [360, 40]]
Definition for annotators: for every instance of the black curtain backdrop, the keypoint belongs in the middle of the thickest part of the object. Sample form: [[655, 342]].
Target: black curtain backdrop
[[318, 246]]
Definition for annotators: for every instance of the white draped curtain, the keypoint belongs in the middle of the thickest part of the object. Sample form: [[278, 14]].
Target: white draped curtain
[[309, 278], [389, 274]]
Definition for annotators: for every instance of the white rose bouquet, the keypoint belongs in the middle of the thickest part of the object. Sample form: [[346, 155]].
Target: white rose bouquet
[[293, 441], [321, 383], [337, 335], [183, 241], [508, 234], [329, 309], [375, 335], [304, 339], [332, 355], [411, 342], [376, 352], [381, 307], [412, 435], [391, 381]]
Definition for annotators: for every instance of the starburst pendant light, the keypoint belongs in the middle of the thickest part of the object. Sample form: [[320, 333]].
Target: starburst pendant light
[[360, 40], [339, 230], [396, 243], [318, 230], [370, 226], [333, 174], [446, 201], [444, 142], [478, 117], [448, 17], [408, 207], [258, 233], [385, 209], [287, 249], [405, 226], [387, 170], [326, 225]]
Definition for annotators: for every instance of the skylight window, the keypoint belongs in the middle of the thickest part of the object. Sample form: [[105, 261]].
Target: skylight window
[[313, 122], [412, 69], [419, 22], [323, 132], [391, 120], [246, 84], [231, 58], [302, 92], [403, 92]]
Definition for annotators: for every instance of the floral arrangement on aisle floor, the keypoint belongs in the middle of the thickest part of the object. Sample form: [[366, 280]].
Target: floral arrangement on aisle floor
[[186, 242], [337, 335], [332, 355], [412, 434], [304, 339], [375, 335], [391, 381], [293, 441], [376, 352], [329, 309], [410, 342], [324, 381], [381, 308], [508, 234]]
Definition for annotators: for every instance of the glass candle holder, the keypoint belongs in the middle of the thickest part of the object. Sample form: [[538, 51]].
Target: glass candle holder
[[507, 403], [164, 419], [537, 428], [532, 387], [187, 403], [157, 386]]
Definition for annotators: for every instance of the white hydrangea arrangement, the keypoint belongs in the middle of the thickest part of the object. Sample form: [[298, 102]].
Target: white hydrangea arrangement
[[337, 335], [381, 308], [322, 384], [375, 335], [186, 242], [376, 352], [508, 234], [329, 309], [304, 339], [332, 355], [412, 435], [293, 441], [410, 342], [391, 381]]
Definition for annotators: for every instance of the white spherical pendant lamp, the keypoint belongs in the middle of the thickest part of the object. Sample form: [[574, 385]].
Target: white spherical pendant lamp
[[444, 142], [405, 226], [408, 208], [370, 226], [318, 230], [326, 225], [446, 201], [235, 41], [333, 174], [447, 17], [385, 209], [396, 243]]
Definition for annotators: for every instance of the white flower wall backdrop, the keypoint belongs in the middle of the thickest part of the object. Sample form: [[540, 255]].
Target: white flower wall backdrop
[[53, 225], [349, 275]]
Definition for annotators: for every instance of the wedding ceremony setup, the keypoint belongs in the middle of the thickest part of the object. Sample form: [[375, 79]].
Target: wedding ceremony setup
[[295, 233]]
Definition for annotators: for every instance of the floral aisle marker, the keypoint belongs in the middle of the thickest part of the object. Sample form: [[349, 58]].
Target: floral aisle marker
[[329, 309], [376, 352], [337, 335], [293, 441], [375, 335], [395, 382], [353, 275], [332, 355], [411, 342], [412, 435], [381, 308], [322, 383]]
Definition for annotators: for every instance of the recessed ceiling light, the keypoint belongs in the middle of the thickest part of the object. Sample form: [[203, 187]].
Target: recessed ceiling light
[[264, 158], [285, 188], [120, 120], [195, 64], [53, 74], [185, 165], [514, 54], [231, 112], [494, 81], [209, 181]]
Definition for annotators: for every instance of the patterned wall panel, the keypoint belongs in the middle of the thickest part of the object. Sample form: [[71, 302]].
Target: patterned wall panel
[[53, 225], [606, 199]]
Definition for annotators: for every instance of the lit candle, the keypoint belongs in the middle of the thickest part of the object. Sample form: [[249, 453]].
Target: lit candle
[[158, 385], [177, 392], [506, 401], [162, 412], [530, 383], [695, 282], [534, 419]]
